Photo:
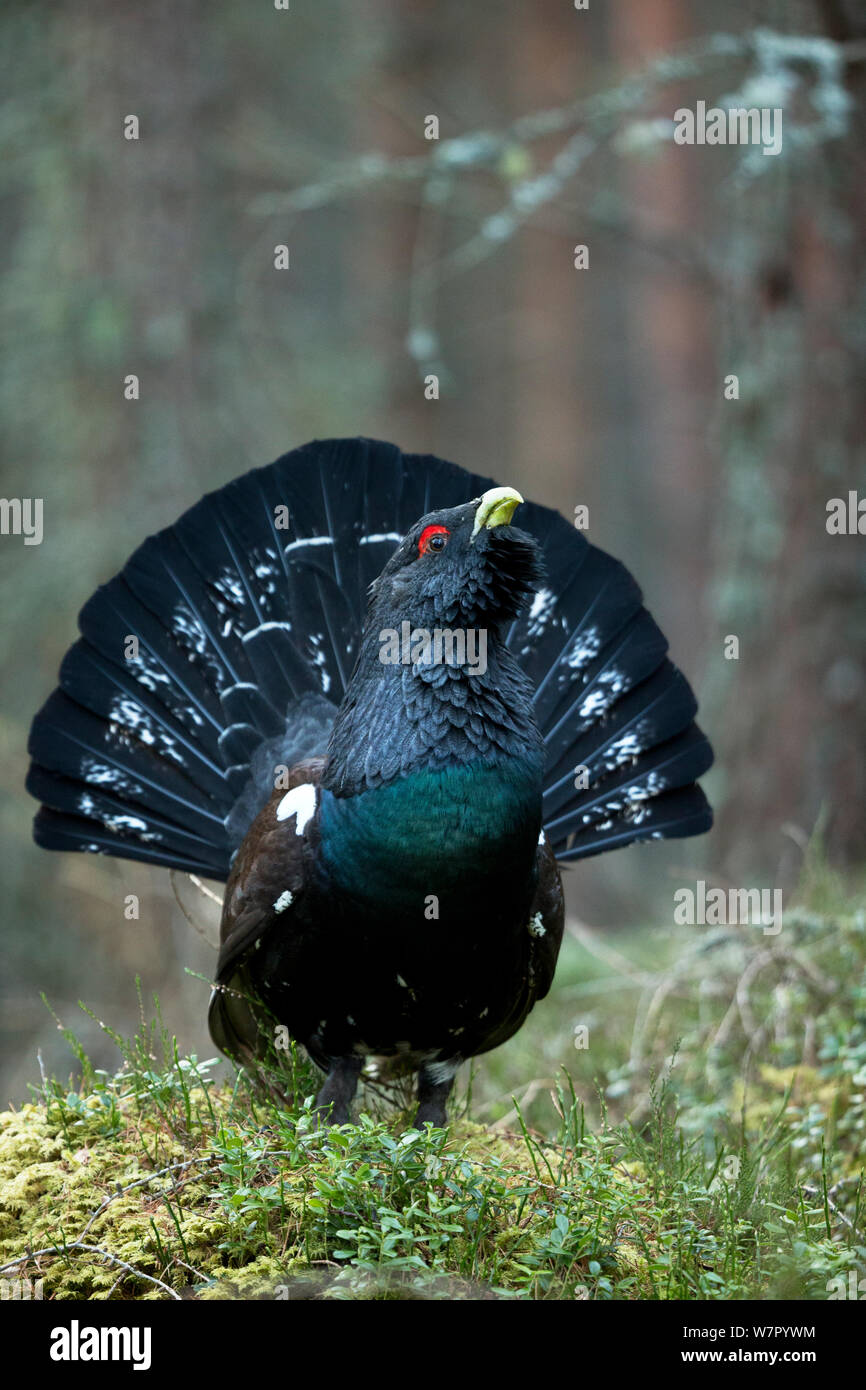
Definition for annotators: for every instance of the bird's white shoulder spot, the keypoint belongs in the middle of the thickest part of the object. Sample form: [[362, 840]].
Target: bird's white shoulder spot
[[541, 837], [283, 901], [299, 802], [535, 926]]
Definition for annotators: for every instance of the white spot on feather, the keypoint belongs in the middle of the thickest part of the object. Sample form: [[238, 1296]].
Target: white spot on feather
[[587, 646], [319, 659], [308, 540], [299, 802], [230, 586], [382, 536], [265, 627], [596, 702], [536, 926], [539, 614], [283, 901]]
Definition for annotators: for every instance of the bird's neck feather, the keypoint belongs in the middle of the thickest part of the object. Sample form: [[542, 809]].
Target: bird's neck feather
[[397, 719]]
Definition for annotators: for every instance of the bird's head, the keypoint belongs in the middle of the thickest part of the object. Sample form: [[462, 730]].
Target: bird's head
[[462, 566], [434, 684]]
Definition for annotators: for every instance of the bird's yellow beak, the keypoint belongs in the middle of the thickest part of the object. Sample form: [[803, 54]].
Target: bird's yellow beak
[[496, 508]]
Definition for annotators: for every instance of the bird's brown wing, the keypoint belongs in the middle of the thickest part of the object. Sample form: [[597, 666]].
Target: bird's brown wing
[[270, 862], [547, 919]]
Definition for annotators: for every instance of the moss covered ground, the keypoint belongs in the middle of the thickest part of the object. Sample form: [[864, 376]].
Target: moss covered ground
[[712, 1149]]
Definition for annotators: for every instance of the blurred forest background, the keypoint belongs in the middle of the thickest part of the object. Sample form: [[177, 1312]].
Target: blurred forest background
[[602, 386]]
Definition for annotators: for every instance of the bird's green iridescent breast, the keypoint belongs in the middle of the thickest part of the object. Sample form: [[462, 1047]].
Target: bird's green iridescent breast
[[434, 831]]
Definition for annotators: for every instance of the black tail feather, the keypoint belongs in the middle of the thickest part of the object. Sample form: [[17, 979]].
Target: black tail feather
[[246, 634]]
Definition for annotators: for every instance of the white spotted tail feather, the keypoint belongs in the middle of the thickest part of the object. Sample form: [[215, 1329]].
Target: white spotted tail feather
[[244, 635]]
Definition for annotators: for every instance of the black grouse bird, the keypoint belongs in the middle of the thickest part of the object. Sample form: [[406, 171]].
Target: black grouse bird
[[373, 788]]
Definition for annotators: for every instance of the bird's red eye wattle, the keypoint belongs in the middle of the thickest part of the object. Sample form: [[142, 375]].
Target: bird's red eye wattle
[[433, 538]]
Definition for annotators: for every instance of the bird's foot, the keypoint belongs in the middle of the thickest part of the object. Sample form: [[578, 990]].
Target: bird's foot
[[430, 1113], [334, 1100], [326, 1116], [434, 1087]]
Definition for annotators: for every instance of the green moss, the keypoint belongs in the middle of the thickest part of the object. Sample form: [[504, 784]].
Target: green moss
[[259, 1204], [741, 1181]]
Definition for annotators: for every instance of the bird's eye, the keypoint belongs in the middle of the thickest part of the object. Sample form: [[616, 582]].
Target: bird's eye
[[433, 538]]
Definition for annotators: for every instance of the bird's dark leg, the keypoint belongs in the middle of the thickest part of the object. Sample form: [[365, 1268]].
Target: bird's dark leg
[[434, 1087], [337, 1094]]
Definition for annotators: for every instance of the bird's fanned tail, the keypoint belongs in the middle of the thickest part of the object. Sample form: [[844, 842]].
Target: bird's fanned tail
[[225, 645]]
